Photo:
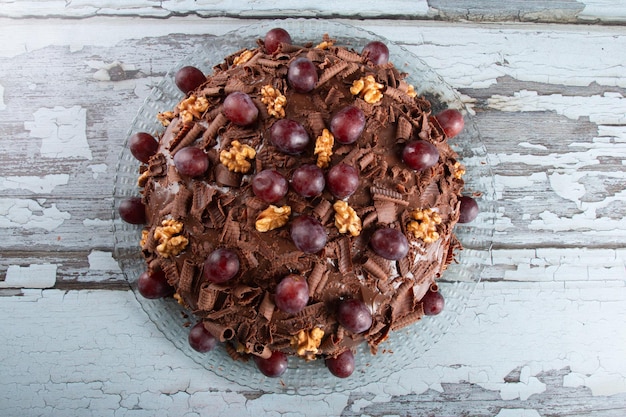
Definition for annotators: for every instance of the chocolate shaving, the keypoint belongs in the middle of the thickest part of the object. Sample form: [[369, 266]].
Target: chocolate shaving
[[171, 272], [271, 63], [404, 129], [214, 129], [316, 123], [386, 211], [315, 277], [210, 91], [333, 97], [221, 332], [180, 135], [187, 273], [180, 205], [350, 69], [385, 194], [189, 138], [331, 72], [234, 354], [207, 297], [227, 178], [267, 306], [237, 85], [345, 258], [202, 197], [374, 269], [347, 55], [409, 319]]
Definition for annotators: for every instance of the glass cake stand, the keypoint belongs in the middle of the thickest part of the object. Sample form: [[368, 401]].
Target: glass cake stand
[[404, 347]]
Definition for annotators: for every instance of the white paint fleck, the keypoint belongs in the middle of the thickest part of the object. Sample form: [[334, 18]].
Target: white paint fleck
[[63, 132], [32, 276], [30, 214], [566, 185], [36, 184], [608, 108], [2, 104], [102, 261], [98, 169], [607, 10], [97, 223], [517, 412]]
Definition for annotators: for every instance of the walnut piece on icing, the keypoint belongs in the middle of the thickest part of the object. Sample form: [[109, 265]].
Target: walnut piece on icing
[[236, 159], [346, 219], [143, 178], [411, 91], [324, 148], [144, 237], [306, 344], [326, 43], [192, 107], [171, 242], [424, 225], [165, 118], [459, 170], [244, 57], [274, 101], [368, 89], [272, 218]]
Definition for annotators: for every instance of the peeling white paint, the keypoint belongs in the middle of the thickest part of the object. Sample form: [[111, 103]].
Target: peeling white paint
[[36, 184], [98, 169], [517, 412], [2, 104], [607, 10], [63, 132], [601, 109], [32, 276], [102, 261], [30, 214], [97, 223]]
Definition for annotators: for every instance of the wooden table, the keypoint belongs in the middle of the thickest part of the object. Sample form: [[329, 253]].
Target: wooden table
[[543, 334]]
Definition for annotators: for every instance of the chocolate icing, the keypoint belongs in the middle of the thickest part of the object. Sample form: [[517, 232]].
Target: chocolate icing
[[219, 209]]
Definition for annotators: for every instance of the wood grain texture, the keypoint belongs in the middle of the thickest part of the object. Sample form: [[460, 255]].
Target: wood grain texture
[[561, 11], [542, 334]]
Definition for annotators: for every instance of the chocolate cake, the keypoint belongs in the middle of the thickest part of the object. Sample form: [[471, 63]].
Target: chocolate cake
[[301, 199]]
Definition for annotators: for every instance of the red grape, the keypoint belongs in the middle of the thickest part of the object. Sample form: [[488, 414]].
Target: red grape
[[469, 209], [308, 180], [420, 155], [240, 109], [274, 38], [451, 121], [289, 136], [433, 303], [390, 244], [154, 285], [342, 180], [377, 52], [308, 234], [274, 366], [269, 185], [201, 339], [132, 210], [191, 161], [341, 366], [347, 125], [143, 145], [354, 315], [189, 78], [292, 294], [302, 75], [221, 265]]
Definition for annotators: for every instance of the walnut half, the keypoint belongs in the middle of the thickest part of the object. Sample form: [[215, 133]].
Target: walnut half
[[424, 225], [368, 89], [171, 242], [346, 219], [307, 343], [236, 158], [272, 218]]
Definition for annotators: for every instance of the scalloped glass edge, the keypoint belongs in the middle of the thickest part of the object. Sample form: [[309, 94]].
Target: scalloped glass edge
[[403, 348]]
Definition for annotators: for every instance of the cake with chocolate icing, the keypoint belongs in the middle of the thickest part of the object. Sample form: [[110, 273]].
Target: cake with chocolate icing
[[301, 200]]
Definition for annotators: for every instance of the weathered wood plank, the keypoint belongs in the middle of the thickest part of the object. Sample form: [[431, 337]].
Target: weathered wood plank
[[563, 11], [573, 373]]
